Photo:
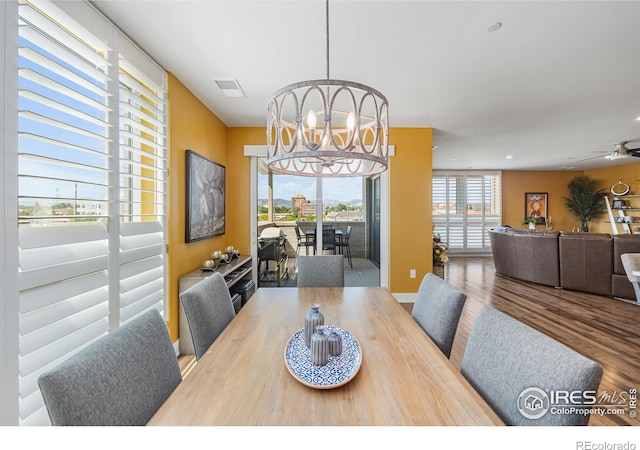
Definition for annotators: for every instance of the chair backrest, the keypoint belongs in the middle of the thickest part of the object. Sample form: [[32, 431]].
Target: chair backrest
[[437, 310], [298, 235], [209, 309], [631, 263], [348, 233], [514, 367], [120, 379], [328, 239], [320, 271]]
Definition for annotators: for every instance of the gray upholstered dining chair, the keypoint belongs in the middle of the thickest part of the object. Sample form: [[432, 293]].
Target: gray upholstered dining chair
[[437, 310], [320, 271], [514, 368], [120, 379], [631, 263], [209, 309]]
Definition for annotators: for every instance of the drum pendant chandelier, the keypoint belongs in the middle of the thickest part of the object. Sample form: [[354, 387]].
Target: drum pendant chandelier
[[328, 128]]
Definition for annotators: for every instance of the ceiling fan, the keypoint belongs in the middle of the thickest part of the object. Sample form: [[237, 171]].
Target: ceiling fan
[[620, 151]]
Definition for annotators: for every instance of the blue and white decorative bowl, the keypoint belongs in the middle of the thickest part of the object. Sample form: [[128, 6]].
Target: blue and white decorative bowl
[[338, 371]]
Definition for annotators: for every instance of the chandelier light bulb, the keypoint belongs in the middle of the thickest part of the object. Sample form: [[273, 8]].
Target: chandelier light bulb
[[351, 122], [311, 120]]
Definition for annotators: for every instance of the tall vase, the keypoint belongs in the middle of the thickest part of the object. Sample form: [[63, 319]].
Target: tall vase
[[313, 318], [319, 347], [439, 271]]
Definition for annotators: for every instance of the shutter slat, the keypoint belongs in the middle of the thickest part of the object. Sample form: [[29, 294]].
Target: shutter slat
[[41, 317], [61, 52], [42, 22], [141, 253], [60, 328], [35, 77], [154, 288], [43, 294], [62, 348], [40, 257], [36, 237], [142, 279]]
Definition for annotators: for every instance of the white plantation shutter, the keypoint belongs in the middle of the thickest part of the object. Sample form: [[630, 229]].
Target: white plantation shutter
[[142, 156], [91, 188], [465, 206], [142, 266], [63, 301]]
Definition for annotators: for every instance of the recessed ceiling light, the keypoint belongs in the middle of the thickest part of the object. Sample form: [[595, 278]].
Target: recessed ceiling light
[[454, 158], [638, 118], [494, 27], [434, 147], [509, 157]]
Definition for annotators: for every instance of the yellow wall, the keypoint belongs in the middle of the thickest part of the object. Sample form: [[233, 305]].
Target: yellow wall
[[238, 177], [515, 183], [410, 207], [191, 126]]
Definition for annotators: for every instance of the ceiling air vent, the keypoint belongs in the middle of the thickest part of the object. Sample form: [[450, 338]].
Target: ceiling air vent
[[230, 87]]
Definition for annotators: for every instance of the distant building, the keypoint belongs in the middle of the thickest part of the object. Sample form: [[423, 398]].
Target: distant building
[[297, 201], [308, 209]]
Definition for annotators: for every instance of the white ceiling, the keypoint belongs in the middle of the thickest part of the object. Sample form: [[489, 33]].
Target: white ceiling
[[559, 82]]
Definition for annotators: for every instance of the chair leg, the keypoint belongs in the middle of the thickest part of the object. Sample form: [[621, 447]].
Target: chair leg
[[636, 289], [349, 256]]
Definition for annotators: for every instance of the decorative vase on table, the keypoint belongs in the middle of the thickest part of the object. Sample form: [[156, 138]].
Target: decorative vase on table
[[335, 343], [319, 347], [439, 271], [313, 318]]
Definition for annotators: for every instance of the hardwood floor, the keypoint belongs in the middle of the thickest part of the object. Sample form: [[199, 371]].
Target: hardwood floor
[[601, 328]]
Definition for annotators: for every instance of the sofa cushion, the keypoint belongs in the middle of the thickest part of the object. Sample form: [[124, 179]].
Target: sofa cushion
[[504, 254], [586, 262]]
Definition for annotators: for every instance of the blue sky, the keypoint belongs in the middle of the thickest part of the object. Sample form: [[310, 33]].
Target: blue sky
[[285, 186]]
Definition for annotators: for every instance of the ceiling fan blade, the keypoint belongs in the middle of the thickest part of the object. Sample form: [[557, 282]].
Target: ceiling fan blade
[[593, 157]]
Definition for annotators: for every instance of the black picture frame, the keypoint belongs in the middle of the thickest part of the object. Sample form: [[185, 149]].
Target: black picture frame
[[205, 197], [618, 204], [536, 204]]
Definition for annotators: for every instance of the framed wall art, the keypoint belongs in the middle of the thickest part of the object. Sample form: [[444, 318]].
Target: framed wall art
[[205, 202], [536, 205]]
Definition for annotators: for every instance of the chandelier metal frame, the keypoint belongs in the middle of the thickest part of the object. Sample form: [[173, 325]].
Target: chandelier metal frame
[[352, 136]]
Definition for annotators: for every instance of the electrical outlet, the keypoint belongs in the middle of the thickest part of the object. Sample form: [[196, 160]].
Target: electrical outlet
[[412, 273]]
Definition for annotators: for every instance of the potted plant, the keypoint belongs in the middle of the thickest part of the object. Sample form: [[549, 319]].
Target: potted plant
[[531, 221], [585, 200], [439, 256]]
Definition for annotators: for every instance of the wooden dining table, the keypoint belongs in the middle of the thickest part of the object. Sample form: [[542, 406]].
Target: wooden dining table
[[403, 377]]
